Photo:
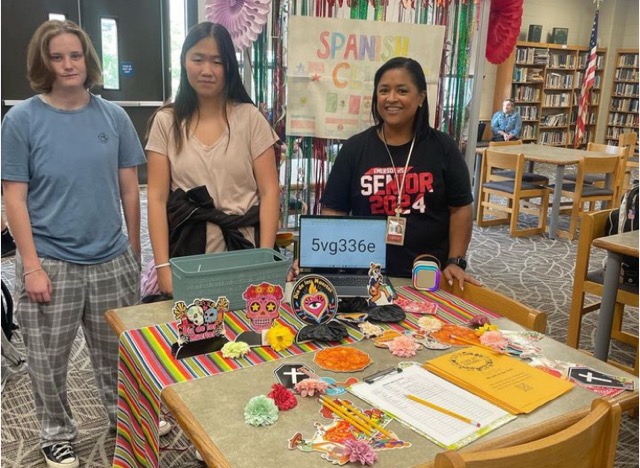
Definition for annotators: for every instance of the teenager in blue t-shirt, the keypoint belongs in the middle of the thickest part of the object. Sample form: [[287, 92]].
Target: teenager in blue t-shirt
[[69, 164]]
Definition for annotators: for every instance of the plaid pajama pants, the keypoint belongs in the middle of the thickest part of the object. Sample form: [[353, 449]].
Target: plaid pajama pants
[[81, 295]]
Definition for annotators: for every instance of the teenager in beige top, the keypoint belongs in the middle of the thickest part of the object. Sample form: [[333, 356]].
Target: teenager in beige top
[[212, 135]]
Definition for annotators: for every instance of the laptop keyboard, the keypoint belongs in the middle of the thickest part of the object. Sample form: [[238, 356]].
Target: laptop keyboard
[[348, 280]]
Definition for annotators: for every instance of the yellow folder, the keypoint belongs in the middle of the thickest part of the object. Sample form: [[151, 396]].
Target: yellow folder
[[500, 379]]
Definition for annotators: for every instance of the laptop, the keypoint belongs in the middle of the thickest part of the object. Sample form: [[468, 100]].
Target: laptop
[[342, 248]]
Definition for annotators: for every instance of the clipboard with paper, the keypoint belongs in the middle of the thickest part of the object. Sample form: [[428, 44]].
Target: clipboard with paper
[[389, 393]]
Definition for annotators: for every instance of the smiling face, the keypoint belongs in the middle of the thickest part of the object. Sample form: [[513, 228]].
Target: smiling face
[[205, 69], [398, 98], [67, 61]]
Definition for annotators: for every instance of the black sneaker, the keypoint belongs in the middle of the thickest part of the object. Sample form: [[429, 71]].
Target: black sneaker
[[8, 245], [60, 455]]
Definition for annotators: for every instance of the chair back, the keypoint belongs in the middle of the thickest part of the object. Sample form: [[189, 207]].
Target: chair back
[[505, 143], [589, 443], [507, 307], [495, 159], [617, 180], [628, 139]]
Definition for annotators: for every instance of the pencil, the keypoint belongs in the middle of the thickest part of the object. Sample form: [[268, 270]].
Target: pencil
[[473, 343], [366, 418], [443, 410], [344, 415]]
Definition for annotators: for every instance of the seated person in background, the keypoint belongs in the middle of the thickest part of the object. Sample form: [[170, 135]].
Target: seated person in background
[[506, 124], [403, 168]]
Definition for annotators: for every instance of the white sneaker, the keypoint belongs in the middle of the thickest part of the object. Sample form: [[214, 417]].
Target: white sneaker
[[164, 427]]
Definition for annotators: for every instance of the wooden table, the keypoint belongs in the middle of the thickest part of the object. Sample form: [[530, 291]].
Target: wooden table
[[210, 408], [616, 246], [558, 156]]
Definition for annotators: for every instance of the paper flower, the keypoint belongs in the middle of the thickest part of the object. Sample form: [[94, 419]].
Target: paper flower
[[260, 411], [495, 340], [280, 337], [244, 19], [360, 451], [430, 324], [311, 387], [369, 329], [478, 320], [487, 327], [403, 346], [235, 349], [282, 397]]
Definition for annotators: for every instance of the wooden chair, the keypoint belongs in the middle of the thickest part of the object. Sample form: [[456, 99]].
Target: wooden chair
[[514, 191], [589, 443], [529, 176], [590, 282], [599, 179], [581, 193], [628, 139], [499, 303]]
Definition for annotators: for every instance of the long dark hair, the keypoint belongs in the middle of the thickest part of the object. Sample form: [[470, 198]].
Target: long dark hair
[[421, 122], [185, 105]]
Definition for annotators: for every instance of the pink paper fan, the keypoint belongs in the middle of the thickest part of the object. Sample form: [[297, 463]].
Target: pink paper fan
[[244, 19]]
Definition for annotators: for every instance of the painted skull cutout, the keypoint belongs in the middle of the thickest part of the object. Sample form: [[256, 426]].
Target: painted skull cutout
[[263, 304]]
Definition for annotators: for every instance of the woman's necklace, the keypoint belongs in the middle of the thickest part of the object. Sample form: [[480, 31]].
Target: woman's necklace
[[396, 225]]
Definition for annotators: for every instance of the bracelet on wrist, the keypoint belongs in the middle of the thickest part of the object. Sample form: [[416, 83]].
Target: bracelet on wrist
[[27, 273], [162, 265]]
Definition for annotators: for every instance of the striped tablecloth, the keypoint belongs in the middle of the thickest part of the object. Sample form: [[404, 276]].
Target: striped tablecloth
[[147, 366]]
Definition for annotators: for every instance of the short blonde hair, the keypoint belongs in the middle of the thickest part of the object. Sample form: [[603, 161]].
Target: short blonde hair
[[39, 70]]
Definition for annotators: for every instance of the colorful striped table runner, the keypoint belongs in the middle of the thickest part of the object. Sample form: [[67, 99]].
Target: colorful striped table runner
[[147, 366]]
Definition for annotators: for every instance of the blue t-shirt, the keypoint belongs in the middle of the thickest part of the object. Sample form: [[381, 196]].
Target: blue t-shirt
[[70, 161]]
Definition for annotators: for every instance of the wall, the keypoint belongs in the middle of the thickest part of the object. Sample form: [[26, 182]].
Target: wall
[[617, 28]]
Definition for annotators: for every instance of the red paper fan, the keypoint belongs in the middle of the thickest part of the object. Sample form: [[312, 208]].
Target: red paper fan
[[244, 19], [504, 27]]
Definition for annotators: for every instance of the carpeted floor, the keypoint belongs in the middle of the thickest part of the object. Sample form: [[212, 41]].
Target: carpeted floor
[[535, 270]]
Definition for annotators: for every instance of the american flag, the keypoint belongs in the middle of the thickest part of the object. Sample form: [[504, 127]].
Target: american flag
[[587, 83]]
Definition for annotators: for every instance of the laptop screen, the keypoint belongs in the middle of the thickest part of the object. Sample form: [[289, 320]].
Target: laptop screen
[[341, 242]]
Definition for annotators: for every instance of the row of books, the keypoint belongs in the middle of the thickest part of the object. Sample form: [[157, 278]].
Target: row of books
[[558, 80], [615, 132], [553, 138], [554, 120], [628, 60], [557, 100], [532, 56], [528, 131], [626, 120], [624, 105], [565, 60], [527, 75], [626, 74], [526, 93], [626, 89], [584, 59], [528, 112]]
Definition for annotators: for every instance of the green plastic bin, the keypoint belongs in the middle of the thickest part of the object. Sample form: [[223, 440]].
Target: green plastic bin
[[226, 274]]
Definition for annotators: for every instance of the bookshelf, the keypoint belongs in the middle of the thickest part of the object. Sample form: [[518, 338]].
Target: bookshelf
[[544, 80], [623, 106]]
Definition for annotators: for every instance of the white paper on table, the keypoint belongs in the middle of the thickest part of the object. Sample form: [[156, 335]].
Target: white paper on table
[[388, 394]]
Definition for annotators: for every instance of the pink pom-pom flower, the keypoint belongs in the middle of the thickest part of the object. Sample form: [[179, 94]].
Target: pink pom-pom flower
[[495, 340], [403, 346], [311, 387], [360, 451], [282, 397]]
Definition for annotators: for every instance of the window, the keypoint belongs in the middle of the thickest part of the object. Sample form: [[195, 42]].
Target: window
[[178, 31], [57, 16], [110, 62]]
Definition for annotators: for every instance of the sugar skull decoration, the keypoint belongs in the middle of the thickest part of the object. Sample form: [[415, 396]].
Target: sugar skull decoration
[[314, 299], [263, 304], [201, 319]]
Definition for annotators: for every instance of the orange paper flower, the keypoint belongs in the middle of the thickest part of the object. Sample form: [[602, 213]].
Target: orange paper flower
[[342, 359]]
